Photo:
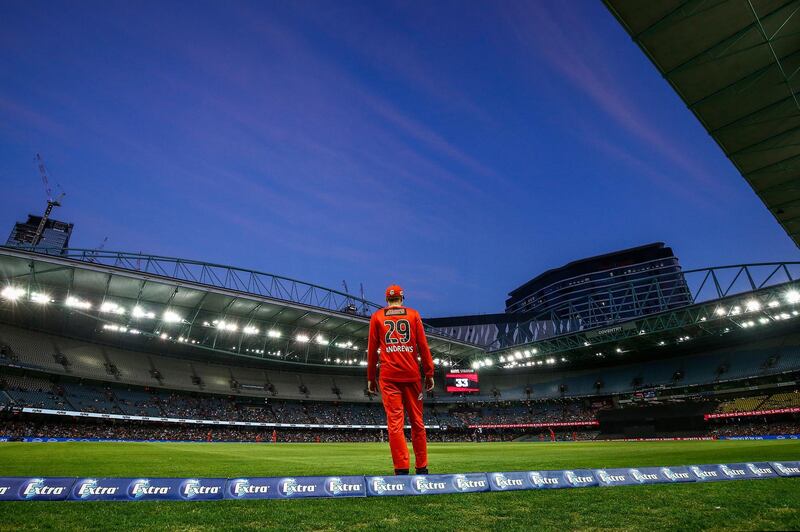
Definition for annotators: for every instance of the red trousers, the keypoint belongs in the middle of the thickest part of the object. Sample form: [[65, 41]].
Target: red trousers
[[397, 397]]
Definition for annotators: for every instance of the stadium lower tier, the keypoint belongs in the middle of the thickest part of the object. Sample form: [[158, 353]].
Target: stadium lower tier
[[16, 427], [54, 392]]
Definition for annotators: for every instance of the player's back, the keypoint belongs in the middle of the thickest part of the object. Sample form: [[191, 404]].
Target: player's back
[[398, 332]]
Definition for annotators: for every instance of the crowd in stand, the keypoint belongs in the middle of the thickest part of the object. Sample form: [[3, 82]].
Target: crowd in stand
[[37, 427], [115, 399], [760, 428]]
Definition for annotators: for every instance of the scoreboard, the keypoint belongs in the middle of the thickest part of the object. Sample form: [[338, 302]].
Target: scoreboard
[[462, 381]]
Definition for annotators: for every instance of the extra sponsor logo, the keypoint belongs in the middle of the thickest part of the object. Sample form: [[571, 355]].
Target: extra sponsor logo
[[37, 487], [192, 488], [423, 485], [289, 487], [786, 469], [578, 479], [336, 486], [90, 487], [642, 477], [732, 471], [503, 482], [675, 476], [242, 487], [760, 470], [609, 478], [142, 487], [540, 480], [464, 483], [382, 486], [704, 474]]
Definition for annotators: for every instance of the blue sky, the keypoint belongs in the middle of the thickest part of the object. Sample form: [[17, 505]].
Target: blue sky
[[455, 148]]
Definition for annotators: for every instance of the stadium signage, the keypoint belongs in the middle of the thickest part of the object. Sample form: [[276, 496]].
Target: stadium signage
[[592, 423], [608, 331], [35, 489], [509, 481], [72, 413], [770, 412], [379, 486], [251, 488], [786, 469], [193, 489]]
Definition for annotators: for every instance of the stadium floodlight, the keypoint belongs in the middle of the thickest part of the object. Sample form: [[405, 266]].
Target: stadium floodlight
[[518, 355], [274, 333], [362, 362], [111, 308], [225, 325], [539, 362], [551, 360], [662, 342], [792, 297], [563, 359], [164, 336], [619, 350], [74, 302], [488, 362], [763, 321], [40, 298], [476, 365], [139, 312], [301, 338], [171, 317], [534, 350], [321, 340], [753, 305], [774, 303], [720, 311], [12, 293], [736, 310], [249, 329]]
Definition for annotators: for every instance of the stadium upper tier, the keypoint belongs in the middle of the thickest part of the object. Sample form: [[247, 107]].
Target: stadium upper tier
[[57, 355], [178, 306], [734, 63]]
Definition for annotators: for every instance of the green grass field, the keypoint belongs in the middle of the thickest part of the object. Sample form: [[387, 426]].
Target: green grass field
[[746, 505]]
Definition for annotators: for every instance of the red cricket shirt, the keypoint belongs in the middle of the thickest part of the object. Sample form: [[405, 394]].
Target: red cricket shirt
[[400, 336]]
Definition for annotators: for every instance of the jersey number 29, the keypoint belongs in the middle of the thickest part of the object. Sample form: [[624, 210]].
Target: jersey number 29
[[402, 327]]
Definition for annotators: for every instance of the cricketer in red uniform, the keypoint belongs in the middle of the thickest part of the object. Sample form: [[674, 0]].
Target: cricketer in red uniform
[[396, 332]]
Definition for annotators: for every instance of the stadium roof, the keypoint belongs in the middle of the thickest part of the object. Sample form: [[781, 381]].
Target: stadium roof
[[190, 308], [735, 64]]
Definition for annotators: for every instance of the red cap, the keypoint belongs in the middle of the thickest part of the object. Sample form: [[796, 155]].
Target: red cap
[[394, 291]]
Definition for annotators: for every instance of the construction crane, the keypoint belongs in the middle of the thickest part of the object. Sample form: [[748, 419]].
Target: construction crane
[[51, 201], [92, 255], [350, 305], [364, 306]]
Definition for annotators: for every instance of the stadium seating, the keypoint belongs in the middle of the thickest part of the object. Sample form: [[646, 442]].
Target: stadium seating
[[92, 361]]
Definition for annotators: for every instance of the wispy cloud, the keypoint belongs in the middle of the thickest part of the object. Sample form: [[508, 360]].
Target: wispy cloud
[[568, 44]]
